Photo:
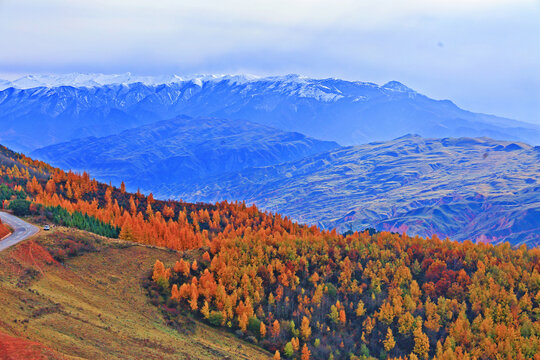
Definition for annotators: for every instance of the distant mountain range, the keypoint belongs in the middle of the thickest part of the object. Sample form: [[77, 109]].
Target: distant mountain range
[[188, 150], [465, 188], [257, 139], [37, 111], [95, 80]]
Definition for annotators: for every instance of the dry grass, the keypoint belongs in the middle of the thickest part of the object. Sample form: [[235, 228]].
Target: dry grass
[[93, 306]]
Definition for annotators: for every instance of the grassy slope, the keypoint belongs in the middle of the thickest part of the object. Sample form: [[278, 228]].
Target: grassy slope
[[94, 306]]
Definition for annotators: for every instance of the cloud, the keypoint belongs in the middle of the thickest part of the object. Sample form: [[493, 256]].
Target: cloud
[[489, 61]]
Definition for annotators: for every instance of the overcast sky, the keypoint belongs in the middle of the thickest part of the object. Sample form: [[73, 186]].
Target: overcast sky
[[482, 54]]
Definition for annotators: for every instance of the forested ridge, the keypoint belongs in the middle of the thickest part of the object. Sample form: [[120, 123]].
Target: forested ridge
[[322, 296], [300, 292]]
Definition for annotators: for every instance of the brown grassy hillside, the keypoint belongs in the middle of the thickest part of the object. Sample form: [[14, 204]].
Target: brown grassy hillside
[[94, 306]]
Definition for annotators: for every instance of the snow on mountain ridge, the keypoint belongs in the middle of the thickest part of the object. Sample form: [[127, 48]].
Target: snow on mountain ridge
[[349, 112], [292, 84], [96, 79], [397, 86], [88, 80]]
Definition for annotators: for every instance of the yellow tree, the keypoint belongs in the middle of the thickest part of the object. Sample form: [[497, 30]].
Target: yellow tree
[[108, 196], [415, 290], [389, 342], [334, 314], [206, 310], [50, 187], [305, 329], [295, 343], [421, 343], [160, 275], [406, 323], [193, 302], [175, 294], [132, 206], [149, 211], [433, 319], [360, 309], [243, 322], [342, 317], [386, 313], [33, 186]]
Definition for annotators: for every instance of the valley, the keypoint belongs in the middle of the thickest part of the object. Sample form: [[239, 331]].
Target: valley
[[478, 189], [181, 149]]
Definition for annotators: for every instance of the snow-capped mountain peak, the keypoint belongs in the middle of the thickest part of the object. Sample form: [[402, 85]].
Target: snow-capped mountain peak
[[321, 89], [349, 112], [96, 80], [397, 86], [325, 90], [86, 80]]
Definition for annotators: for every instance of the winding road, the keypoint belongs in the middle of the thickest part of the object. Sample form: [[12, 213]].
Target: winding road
[[21, 230]]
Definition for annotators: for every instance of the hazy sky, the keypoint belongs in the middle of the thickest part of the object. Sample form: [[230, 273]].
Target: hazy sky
[[482, 54]]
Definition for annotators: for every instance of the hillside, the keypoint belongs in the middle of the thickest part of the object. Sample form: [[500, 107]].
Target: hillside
[[349, 112], [478, 189], [94, 306], [387, 296], [295, 290], [185, 149], [465, 188]]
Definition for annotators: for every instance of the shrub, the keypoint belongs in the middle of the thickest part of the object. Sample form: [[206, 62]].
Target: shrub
[[216, 318], [20, 207], [254, 325]]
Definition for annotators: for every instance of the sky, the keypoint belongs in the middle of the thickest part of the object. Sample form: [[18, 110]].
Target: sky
[[482, 54]]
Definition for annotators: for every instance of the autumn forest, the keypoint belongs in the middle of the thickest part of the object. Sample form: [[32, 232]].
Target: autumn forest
[[298, 291]]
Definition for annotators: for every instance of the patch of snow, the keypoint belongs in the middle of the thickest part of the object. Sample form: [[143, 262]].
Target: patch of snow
[[360, 98], [197, 81], [318, 94], [397, 86]]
